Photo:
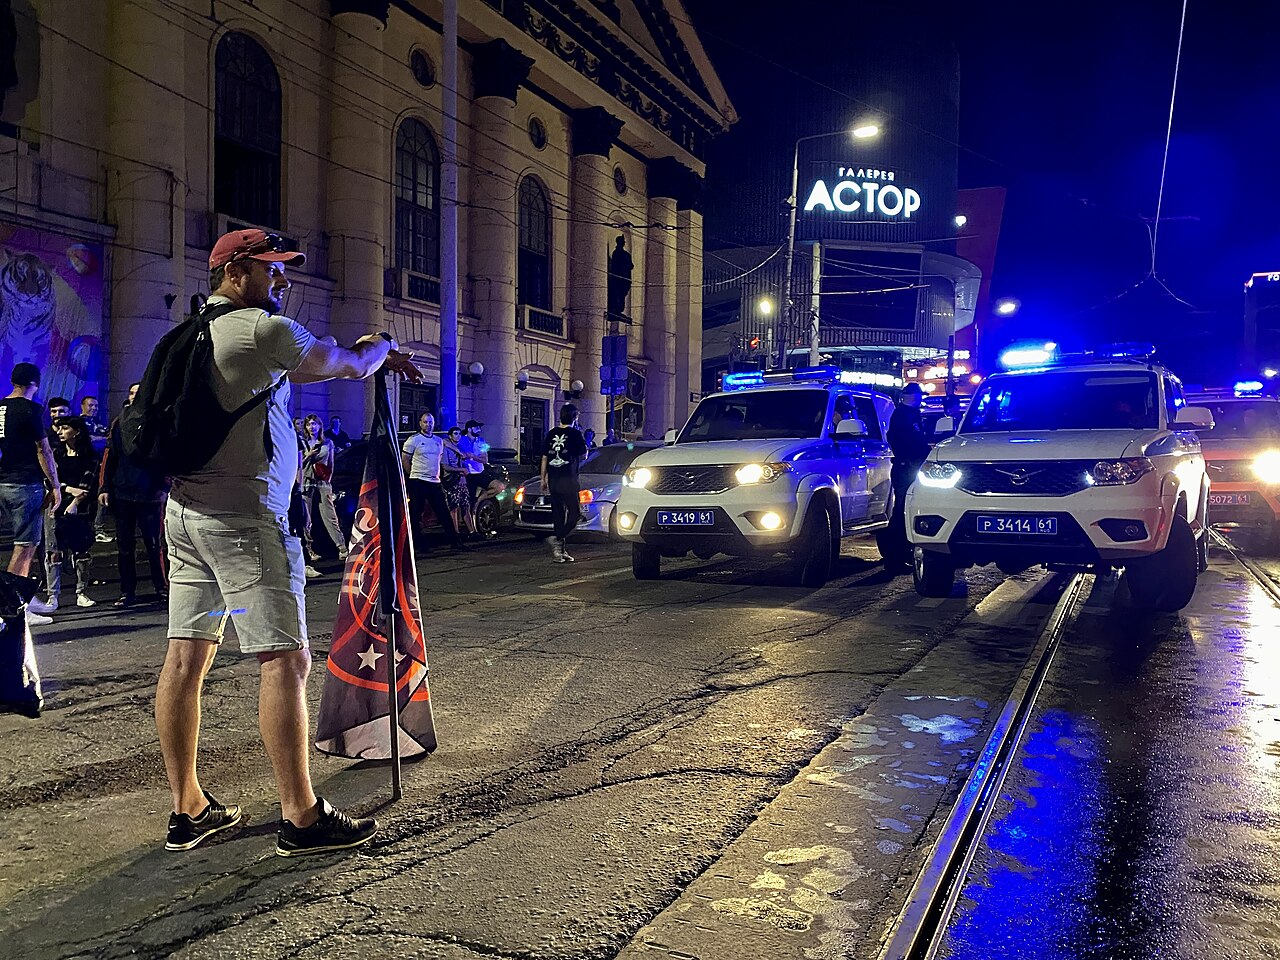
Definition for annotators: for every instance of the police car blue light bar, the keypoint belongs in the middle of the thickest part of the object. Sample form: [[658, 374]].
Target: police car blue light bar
[[1028, 355], [745, 379], [1126, 351], [1244, 388]]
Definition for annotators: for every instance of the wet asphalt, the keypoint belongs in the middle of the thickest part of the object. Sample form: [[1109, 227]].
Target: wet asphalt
[[717, 764], [1142, 819]]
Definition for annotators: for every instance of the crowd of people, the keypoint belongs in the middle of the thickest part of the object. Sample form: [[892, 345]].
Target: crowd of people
[[63, 474]]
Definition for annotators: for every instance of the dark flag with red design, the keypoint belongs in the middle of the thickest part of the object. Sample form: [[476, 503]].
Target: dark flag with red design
[[380, 582]]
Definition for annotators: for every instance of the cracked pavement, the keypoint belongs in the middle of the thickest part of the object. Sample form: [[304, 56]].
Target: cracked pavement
[[615, 758]]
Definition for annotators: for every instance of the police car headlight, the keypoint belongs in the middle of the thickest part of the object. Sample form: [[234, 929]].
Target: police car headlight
[[638, 477], [1267, 467], [1114, 473], [750, 473], [941, 475]]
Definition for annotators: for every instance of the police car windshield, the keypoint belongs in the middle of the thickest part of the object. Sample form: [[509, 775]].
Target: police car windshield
[[1242, 420], [758, 415], [1065, 400]]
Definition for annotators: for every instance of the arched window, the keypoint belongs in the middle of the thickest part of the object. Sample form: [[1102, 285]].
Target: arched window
[[246, 137], [533, 268], [417, 199]]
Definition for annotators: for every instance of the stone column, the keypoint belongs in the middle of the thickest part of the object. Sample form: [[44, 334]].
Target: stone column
[[358, 197], [498, 69], [689, 299], [145, 187], [590, 189], [666, 185]]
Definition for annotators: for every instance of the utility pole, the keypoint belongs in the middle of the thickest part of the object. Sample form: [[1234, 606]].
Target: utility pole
[[449, 221]]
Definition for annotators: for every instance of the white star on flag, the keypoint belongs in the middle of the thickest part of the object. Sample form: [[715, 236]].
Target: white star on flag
[[369, 658]]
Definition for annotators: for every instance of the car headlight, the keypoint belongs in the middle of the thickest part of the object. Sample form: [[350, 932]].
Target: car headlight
[[1267, 467], [1112, 473], [941, 475], [638, 477], [760, 472], [520, 495]]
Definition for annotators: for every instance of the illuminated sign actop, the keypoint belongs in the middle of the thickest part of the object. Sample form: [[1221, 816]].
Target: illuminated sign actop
[[864, 189]]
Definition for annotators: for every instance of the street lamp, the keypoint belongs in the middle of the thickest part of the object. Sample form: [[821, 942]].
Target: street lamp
[[864, 131], [765, 306], [1007, 306]]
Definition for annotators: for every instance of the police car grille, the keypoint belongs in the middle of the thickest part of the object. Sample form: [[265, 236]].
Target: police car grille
[[692, 480], [1053, 478], [1231, 471]]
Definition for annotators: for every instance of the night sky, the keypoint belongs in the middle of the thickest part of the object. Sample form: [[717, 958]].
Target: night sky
[[1066, 106]]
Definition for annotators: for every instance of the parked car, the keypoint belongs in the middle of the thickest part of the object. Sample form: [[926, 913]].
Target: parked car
[[492, 515], [600, 479]]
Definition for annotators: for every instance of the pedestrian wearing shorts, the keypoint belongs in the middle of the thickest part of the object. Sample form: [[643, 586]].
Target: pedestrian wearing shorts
[[28, 475], [234, 567]]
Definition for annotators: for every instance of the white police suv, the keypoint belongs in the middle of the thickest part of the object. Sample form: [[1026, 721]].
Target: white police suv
[[1089, 461], [789, 463]]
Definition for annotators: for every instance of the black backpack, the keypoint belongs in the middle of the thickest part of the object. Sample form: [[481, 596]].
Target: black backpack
[[175, 425]]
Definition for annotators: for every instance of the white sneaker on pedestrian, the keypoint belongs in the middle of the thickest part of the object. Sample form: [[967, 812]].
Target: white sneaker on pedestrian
[[84, 601], [565, 553], [104, 538], [37, 619], [312, 572], [557, 551], [36, 605]]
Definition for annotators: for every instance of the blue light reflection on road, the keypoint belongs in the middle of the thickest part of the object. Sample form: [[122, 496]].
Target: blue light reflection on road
[[1035, 897]]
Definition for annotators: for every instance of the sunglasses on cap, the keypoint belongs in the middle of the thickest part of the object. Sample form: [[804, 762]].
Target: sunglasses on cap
[[270, 243]]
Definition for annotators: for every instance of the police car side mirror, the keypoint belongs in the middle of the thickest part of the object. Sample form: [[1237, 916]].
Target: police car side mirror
[[1194, 418], [850, 429], [944, 425], [670, 437]]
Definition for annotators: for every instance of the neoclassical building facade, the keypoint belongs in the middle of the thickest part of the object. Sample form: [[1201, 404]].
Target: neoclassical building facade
[[136, 131]]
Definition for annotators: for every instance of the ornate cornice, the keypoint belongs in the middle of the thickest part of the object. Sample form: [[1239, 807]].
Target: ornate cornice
[[373, 8], [498, 69], [579, 39], [594, 131]]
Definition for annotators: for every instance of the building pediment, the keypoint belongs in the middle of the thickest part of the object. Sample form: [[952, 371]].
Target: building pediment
[[643, 53]]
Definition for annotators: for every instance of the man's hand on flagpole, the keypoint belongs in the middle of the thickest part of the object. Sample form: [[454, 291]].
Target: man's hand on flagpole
[[402, 364]]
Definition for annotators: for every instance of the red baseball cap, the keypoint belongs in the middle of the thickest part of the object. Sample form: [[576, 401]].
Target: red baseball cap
[[253, 245]]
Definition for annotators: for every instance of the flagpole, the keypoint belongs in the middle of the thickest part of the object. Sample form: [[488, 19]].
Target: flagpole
[[387, 569]]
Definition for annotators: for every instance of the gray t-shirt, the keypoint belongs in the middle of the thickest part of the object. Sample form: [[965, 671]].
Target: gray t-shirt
[[252, 350]]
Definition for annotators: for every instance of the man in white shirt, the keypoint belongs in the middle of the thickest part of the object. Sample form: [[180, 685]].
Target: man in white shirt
[[422, 455]]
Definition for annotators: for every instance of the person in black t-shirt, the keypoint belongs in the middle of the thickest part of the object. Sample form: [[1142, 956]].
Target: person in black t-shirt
[[26, 462], [562, 452], [340, 438]]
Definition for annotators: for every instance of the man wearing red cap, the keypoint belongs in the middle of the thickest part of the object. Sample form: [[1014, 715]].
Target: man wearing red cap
[[232, 560]]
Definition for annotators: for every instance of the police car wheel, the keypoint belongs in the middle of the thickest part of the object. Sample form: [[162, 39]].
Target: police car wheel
[[814, 556], [646, 562], [934, 574], [1166, 581]]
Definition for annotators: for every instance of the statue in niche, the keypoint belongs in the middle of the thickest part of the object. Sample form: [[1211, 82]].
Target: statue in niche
[[619, 287]]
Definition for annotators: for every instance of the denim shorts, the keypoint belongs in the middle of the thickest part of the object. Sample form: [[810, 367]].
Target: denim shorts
[[22, 507], [238, 569]]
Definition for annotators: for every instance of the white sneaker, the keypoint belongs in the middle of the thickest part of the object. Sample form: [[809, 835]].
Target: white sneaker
[[565, 553], [311, 572], [84, 601], [37, 619], [36, 605], [557, 551], [104, 538]]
